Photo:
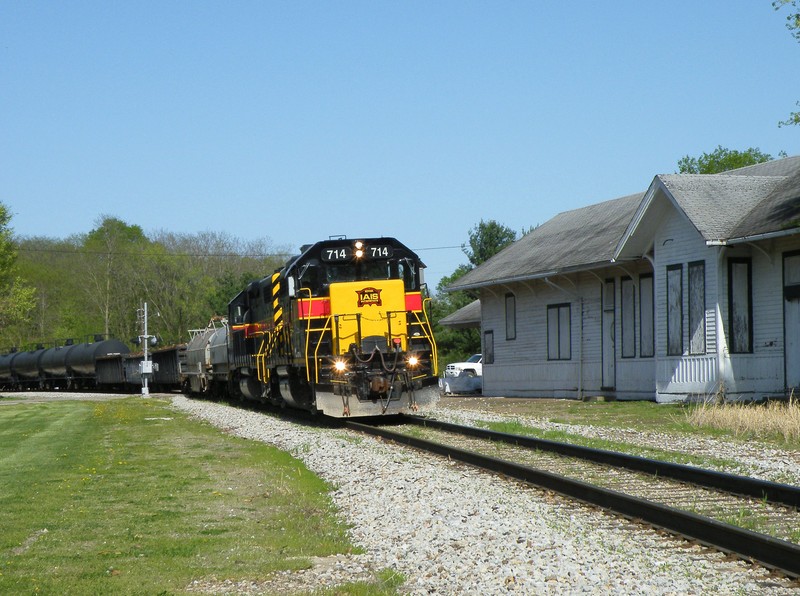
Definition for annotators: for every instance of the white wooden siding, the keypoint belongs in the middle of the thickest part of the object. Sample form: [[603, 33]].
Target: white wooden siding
[[753, 375], [521, 366]]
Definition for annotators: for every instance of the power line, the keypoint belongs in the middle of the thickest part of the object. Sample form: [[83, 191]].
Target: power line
[[281, 255]]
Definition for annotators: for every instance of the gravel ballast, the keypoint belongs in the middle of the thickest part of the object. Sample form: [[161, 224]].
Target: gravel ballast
[[450, 529]]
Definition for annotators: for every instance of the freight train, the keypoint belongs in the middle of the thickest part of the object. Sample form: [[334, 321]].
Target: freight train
[[342, 329]]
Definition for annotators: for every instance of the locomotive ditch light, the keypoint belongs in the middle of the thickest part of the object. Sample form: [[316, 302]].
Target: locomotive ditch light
[[340, 366], [413, 361]]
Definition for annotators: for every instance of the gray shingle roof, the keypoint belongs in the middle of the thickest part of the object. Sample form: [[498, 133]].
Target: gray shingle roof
[[779, 212], [716, 203], [759, 199], [777, 167], [579, 239], [465, 317]]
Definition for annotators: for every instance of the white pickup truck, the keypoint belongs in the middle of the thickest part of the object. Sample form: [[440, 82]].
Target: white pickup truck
[[473, 365], [463, 377]]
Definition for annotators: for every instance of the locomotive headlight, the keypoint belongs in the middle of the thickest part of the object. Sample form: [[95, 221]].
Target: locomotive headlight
[[359, 249], [340, 366]]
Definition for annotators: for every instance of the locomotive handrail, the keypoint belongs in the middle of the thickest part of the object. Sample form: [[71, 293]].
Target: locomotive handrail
[[316, 350], [428, 334], [431, 339], [308, 331], [265, 350]]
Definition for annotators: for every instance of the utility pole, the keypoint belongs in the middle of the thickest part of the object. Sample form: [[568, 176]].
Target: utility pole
[[146, 366]]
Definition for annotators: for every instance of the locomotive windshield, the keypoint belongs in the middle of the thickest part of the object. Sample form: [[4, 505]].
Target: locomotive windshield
[[317, 277], [330, 263]]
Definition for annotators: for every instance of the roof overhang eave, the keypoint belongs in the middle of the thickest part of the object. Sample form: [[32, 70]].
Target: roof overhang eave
[[499, 281], [531, 276], [754, 237]]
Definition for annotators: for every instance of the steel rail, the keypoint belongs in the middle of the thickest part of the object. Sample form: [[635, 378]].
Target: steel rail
[[773, 492], [770, 552]]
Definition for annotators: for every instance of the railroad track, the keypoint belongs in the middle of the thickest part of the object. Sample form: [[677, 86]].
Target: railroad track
[[692, 502]]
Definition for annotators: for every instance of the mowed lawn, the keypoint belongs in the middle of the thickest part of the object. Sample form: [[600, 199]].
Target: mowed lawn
[[131, 497]]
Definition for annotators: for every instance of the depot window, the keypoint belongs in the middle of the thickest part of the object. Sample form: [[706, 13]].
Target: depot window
[[511, 316], [740, 305], [559, 333]]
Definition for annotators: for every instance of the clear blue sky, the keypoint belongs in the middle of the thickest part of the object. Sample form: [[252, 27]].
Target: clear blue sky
[[416, 119]]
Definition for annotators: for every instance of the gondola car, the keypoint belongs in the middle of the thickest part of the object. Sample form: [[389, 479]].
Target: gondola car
[[341, 329]]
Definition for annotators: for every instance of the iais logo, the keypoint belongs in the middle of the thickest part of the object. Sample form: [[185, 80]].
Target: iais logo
[[369, 296]]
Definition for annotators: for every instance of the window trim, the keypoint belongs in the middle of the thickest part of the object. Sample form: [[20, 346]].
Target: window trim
[[670, 269], [694, 265], [631, 325], [652, 344], [488, 346], [511, 316], [560, 349], [732, 261]]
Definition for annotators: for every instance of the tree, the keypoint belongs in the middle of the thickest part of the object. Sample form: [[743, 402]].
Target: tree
[[17, 299], [722, 160], [793, 25], [111, 256], [487, 239]]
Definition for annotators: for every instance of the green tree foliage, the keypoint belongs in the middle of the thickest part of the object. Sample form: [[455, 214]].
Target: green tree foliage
[[793, 25], [486, 239], [793, 18], [16, 297], [453, 344], [722, 160], [199, 274], [50, 266], [95, 282], [110, 260]]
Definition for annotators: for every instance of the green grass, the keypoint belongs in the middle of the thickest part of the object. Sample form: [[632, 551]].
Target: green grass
[[517, 428], [131, 497], [641, 415], [644, 416]]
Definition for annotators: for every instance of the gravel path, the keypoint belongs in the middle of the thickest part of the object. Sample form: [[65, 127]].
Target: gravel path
[[453, 530]]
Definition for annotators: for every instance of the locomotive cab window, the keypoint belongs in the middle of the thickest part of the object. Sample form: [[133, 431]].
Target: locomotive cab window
[[310, 279]]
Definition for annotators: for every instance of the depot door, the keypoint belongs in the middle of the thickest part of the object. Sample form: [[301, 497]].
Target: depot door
[[791, 319], [609, 336]]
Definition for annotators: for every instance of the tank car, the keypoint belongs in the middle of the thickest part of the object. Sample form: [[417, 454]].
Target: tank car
[[26, 369], [341, 329], [68, 366], [8, 378]]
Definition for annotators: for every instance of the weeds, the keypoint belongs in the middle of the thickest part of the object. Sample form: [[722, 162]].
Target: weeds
[[770, 420]]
